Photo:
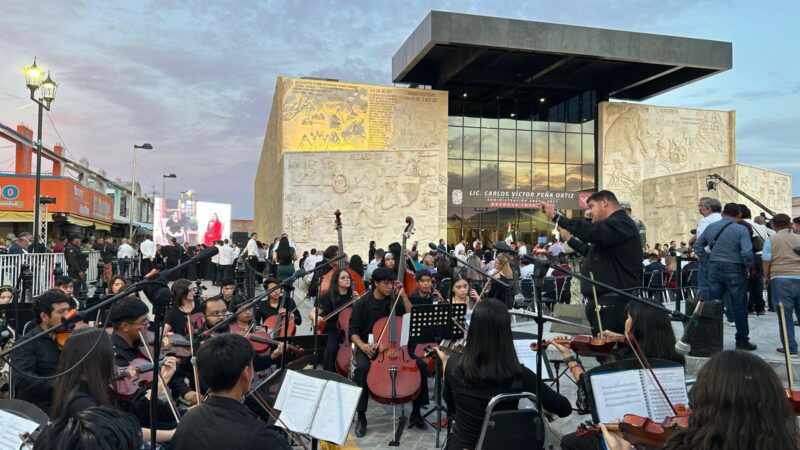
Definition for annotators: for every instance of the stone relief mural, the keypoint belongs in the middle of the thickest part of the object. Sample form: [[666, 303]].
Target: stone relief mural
[[375, 191], [670, 202], [637, 142]]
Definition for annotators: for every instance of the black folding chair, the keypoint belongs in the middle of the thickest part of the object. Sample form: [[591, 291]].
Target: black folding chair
[[511, 428]]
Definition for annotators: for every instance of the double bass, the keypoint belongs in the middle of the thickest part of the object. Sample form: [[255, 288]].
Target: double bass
[[325, 283], [393, 376]]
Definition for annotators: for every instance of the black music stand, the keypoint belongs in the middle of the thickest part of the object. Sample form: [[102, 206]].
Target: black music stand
[[433, 323]]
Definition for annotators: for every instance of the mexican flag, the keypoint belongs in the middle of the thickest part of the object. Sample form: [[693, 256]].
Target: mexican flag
[[509, 233]]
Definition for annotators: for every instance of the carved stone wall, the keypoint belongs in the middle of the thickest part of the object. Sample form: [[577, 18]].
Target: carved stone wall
[[637, 142], [670, 202], [376, 153]]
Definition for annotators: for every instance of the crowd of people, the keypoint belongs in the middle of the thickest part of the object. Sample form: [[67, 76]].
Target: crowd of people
[[83, 382]]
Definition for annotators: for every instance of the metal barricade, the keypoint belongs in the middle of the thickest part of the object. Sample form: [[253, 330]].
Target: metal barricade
[[41, 265]]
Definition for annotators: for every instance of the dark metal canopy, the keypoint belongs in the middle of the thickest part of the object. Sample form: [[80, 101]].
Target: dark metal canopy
[[448, 50]]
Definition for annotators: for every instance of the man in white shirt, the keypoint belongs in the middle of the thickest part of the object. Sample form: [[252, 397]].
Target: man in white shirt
[[522, 249], [312, 260], [525, 269], [237, 251], [710, 209], [148, 250], [226, 257], [125, 251], [251, 251], [461, 248]]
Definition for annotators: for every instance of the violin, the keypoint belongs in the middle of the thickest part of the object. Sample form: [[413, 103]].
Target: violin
[[448, 346], [172, 345], [586, 345], [357, 282], [128, 380], [640, 430], [261, 341], [393, 376]]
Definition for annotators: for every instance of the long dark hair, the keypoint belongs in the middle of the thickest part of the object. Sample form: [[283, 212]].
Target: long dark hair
[[357, 265], [97, 370], [456, 278], [180, 289], [738, 402], [284, 252], [653, 330], [489, 358]]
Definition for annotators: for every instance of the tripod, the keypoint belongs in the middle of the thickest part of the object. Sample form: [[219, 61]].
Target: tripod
[[434, 323]]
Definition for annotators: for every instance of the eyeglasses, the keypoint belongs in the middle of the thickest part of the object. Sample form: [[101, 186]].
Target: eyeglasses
[[143, 323]]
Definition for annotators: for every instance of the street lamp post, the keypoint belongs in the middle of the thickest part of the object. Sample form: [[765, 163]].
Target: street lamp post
[[47, 93], [164, 186], [132, 208]]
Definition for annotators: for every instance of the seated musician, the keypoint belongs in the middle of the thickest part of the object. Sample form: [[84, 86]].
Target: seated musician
[[336, 296], [128, 318], [226, 291], [215, 310], [271, 307], [40, 358], [488, 367], [738, 402], [426, 293], [463, 293], [67, 286], [243, 323], [90, 429], [183, 306], [91, 353], [222, 422], [366, 311], [652, 329]]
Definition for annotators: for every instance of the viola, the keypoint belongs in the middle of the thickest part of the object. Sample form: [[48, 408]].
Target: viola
[[586, 345], [420, 353], [393, 376], [345, 353], [327, 279], [448, 346], [263, 338], [137, 375], [640, 430], [172, 345]]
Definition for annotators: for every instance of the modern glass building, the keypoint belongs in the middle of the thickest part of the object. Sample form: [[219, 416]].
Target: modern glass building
[[523, 108]]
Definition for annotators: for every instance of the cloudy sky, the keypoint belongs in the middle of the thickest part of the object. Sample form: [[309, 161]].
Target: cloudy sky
[[195, 78]]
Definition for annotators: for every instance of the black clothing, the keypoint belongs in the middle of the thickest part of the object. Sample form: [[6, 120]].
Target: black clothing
[[38, 358], [316, 279], [265, 310], [80, 400], [177, 319], [578, 246], [615, 254], [367, 310], [76, 260], [107, 252], [417, 299], [327, 303], [224, 424], [653, 280], [467, 405], [221, 297], [502, 293]]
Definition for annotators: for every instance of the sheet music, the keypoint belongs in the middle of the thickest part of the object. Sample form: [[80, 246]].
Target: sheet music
[[527, 357], [297, 401], [673, 380], [337, 407], [618, 393], [11, 426], [406, 329]]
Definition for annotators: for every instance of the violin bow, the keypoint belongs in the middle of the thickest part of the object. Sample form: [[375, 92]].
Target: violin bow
[[640, 356], [596, 307], [786, 352], [276, 417], [401, 271], [194, 366], [157, 371]]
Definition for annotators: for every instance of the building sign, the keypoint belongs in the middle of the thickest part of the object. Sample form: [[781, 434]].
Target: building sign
[[17, 193], [498, 198], [328, 116]]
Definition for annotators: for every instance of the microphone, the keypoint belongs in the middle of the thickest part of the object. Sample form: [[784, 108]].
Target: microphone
[[683, 346], [433, 247], [502, 247]]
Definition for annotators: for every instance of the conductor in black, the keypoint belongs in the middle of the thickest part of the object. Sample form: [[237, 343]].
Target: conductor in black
[[614, 256]]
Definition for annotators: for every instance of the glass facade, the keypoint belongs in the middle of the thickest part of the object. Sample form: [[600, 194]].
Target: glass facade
[[521, 140]]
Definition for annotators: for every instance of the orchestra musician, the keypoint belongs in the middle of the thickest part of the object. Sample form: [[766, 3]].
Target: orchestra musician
[[214, 311], [366, 311], [226, 291], [90, 429], [613, 256], [503, 272], [272, 307], [330, 254], [326, 304], [488, 367], [225, 363], [426, 294], [652, 329], [128, 318], [738, 402], [91, 353], [463, 293], [40, 358], [183, 306]]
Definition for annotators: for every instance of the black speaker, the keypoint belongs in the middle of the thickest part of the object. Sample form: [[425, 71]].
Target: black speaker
[[708, 336]]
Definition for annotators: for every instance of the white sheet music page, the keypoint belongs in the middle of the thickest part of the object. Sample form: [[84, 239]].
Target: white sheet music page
[[335, 412], [11, 426], [673, 380], [406, 331], [618, 393], [526, 356], [297, 401]]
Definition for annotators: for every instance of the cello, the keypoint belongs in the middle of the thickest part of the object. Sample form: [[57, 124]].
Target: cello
[[325, 283], [393, 376]]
